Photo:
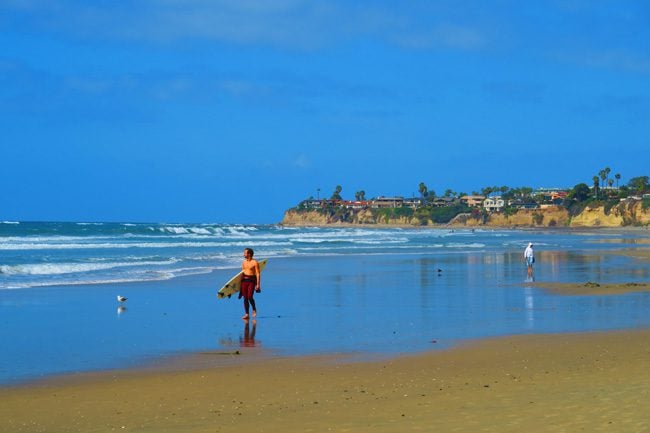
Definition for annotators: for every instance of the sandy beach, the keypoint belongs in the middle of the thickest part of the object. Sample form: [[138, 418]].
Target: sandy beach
[[540, 383]]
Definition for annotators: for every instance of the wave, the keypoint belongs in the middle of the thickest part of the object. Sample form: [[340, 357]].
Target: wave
[[462, 245], [138, 275], [116, 229], [85, 246], [72, 268], [48, 254], [208, 230]]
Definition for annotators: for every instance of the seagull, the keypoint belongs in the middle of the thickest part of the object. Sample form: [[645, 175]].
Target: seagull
[[121, 298]]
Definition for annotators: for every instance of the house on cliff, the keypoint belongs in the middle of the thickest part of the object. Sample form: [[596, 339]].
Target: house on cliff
[[387, 202], [493, 204], [472, 200]]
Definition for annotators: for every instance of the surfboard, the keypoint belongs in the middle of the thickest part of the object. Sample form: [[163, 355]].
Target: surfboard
[[234, 284]]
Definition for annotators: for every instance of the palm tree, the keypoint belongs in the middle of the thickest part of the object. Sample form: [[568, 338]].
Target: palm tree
[[423, 190], [603, 176], [360, 195], [607, 171], [618, 177], [336, 195], [526, 191], [596, 185]]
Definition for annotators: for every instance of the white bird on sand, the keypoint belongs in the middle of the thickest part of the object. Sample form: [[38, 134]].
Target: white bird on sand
[[121, 298]]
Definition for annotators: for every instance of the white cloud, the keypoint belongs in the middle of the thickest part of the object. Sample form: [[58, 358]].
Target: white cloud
[[286, 24], [302, 162], [517, 28], [444, 36], [613, 59]]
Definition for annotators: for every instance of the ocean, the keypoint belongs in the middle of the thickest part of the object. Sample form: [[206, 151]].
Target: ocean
[[362, 291]]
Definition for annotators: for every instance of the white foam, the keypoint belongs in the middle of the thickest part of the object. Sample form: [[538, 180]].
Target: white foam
[[207, 230], [462, 245], [84, 246], [137, 276], [177, 230], [201, 231], [71, 268]]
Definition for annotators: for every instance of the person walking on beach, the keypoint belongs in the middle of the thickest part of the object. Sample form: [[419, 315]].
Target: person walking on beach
[[529, 256], [250, 282]]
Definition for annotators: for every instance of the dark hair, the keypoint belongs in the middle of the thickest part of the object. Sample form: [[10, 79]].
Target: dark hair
[[250, 250]]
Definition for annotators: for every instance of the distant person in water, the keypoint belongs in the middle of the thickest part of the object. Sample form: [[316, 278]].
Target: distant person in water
[[250, 282], [529, 256]]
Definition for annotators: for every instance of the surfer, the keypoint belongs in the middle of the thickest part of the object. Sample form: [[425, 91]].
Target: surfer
[[529, 256], [250, 281]]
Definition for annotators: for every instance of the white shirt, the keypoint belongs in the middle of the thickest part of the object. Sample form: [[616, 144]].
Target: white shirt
[[529, 252]]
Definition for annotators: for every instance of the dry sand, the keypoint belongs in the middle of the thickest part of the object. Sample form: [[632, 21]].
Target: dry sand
[[557, 383]]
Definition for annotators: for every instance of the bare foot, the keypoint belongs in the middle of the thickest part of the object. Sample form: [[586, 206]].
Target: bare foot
[[245, 316], [254, 313]]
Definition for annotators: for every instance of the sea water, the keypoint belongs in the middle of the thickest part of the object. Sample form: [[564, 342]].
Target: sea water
[[364, 291]]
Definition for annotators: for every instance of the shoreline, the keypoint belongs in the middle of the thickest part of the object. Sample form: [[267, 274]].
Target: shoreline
[[538, 383]]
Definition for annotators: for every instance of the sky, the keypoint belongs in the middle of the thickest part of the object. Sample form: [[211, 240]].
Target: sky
[[232, 111]]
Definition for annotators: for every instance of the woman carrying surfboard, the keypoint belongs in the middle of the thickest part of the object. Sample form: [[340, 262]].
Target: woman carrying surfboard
[[250, 281]]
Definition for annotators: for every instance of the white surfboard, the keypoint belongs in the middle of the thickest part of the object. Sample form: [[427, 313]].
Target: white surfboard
[[234, 284]]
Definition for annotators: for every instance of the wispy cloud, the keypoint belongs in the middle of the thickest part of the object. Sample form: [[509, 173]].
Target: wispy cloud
[[302, 162], [307, 25], [632, 108], [451, 36], [285, 24], [621, 60], [515, 91]]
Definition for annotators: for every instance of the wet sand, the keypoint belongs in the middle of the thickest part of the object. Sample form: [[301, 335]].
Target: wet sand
[[596, 288], [593, 288], [533, 383]]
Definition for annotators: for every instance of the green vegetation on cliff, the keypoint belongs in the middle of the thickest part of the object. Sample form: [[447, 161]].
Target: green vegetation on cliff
[[505, 205], [437, 215]]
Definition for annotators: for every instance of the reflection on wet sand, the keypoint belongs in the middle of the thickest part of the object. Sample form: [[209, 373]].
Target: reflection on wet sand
[[248, 339], [632, 241]]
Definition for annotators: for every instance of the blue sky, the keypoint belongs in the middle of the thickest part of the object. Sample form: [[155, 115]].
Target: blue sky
[[233, 111]]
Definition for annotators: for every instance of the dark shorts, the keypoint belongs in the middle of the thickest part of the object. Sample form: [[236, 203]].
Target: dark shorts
[[248, 286]]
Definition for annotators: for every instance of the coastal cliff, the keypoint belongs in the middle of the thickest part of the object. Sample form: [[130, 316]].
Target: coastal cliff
[[622, 215]]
